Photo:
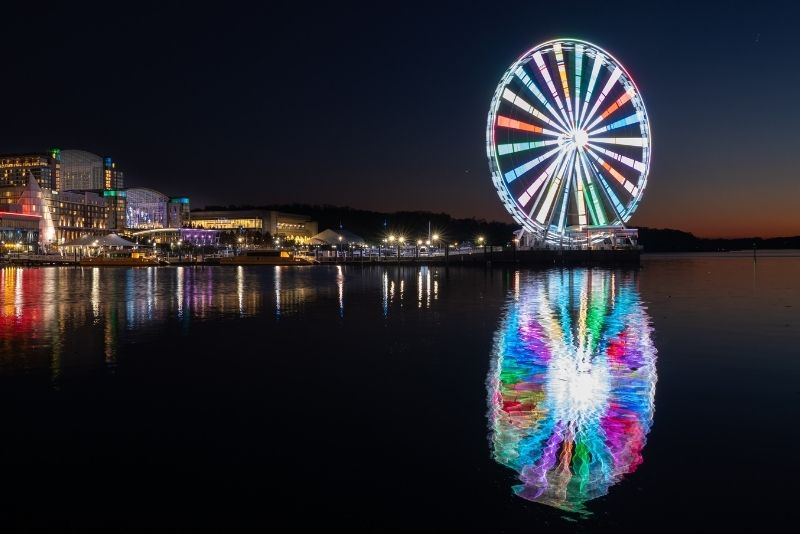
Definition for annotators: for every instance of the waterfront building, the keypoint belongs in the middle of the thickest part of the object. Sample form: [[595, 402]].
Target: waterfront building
[[151, 209], [145, 209], [76, 193], [116, 202], [81, 170], [178, 212], [282, 225], [44, 167], [18, 232], [62, 216]]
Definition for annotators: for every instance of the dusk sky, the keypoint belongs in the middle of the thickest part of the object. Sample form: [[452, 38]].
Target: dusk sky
[[384, 106]]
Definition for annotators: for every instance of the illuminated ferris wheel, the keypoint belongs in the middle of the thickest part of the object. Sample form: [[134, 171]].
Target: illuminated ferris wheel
[[568, 140]]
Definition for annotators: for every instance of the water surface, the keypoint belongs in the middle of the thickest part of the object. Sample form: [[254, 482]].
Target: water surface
[[396, 397]]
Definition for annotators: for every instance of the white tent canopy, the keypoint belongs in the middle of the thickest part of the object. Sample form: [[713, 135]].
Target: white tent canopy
[[110, 240], [336, 237]]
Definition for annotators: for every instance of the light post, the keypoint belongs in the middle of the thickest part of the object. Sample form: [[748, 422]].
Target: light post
[[419, 244], [239, 246], [400, 241], [481, 241]]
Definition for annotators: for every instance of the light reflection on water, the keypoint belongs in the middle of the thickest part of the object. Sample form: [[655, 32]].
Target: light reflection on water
[[95, 309], [572, 384]]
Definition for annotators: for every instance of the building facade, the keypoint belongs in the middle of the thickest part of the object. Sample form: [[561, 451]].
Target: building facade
[[81, 170], [44, 167], [76, 193], [282, 225], [18, 232], [150, 209], [61, 216]]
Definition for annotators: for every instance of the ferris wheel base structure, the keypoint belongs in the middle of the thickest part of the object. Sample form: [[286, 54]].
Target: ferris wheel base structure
[[590, 238]]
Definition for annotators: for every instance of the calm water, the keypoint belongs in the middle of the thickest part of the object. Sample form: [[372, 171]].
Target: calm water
[[383, 398]]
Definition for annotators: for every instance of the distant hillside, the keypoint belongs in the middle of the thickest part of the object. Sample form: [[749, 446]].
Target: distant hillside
[[374, 226], [667, 240]]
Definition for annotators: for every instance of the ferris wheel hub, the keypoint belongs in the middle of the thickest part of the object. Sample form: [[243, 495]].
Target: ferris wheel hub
[[580, 138]]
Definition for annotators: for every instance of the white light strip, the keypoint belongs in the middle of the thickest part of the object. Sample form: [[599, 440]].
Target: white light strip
[[526, 196], [578, 73], [598, 62], [565, 196], [593, 194], [529, 83], [520, 102], [611, 81], [632, 163], [522, 169], [562, 73], [614, 106], [627, 141], [631, 119], [580, 201], [537, 57], [510, 148], [613, 172], [551, 191]]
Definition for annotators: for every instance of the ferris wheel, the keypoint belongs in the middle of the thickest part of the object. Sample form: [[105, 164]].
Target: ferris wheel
[[568, 140]]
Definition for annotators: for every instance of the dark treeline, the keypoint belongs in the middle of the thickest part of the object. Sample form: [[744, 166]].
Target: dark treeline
[[667, 240], [374, 226]]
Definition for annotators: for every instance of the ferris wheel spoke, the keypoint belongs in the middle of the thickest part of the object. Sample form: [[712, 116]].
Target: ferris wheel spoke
[[578, 73], [595, 205], [525, 167], [604, 92], [545, 72], [624, 182], [511, 148], [562, 72], [626, 141], [579, 200], [554, 185], [544, 187], [564, 196], [618, 103], [506, 122], [632, 163], [520, 102], [531, 85], [612, 197], [630, 119], [598, 62], [534, 187]]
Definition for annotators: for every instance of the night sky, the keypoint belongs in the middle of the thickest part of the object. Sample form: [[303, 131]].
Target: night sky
[[384, 106]]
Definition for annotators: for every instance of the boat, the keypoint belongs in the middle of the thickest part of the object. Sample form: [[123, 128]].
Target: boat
[[119, 259], [264, 257]]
